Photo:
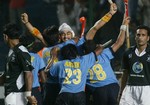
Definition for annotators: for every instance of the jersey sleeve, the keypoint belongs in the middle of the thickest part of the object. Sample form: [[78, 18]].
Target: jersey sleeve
[[81, 41], [108, 53], [79, 45], [65, 43], [24, 58]]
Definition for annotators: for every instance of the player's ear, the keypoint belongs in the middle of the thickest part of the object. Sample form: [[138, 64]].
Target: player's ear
[[5, 36], [148, 39]]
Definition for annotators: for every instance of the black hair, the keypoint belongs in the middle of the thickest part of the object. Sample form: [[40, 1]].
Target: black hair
[[12, 31], [30, 43], [144, 27], [89, 46], [51, 35], [69, 52], [27, 40]]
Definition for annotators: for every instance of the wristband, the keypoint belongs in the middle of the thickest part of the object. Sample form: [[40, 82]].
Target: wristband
[[123, 27], [27, 93], [106, 17]]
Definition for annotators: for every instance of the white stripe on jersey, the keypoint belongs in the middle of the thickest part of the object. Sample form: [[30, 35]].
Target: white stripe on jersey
[[20, 81]]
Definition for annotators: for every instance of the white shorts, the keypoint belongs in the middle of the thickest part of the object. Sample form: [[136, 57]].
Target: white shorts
[[135, 95], [15, 98]]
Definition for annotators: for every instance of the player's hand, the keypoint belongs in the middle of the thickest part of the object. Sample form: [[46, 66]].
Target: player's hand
[[54, 52], [113, 8], [24, 18], [32, 100], [126, 20]]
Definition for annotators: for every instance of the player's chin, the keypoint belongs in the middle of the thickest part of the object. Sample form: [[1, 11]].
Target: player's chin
[[141, 44]]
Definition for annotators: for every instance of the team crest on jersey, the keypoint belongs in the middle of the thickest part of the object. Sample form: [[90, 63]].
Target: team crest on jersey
[[137, 67]]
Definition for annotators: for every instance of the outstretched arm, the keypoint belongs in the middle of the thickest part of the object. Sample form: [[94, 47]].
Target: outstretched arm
[[54, 57], [34, 31], [91, 33], [121, 38]]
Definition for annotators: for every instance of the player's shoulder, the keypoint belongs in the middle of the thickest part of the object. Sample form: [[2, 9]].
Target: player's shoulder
[[148, 48], [35, 55], [22, 48]]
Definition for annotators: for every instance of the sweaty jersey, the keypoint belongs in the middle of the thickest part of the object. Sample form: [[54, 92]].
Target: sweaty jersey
[[18, 62], [38, 65], [72, 73], [101, 73], [138, 67]]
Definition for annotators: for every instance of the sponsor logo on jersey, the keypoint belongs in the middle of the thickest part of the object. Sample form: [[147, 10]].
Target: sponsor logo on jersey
[[137, 67]]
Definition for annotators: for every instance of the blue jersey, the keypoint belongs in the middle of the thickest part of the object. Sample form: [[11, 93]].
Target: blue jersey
[[38, 64], [46, 52], [79, 45], [72, 73], [81, 41], [46, 57], [101, 73]]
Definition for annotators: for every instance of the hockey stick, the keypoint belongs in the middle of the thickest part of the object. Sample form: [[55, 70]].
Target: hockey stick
[[83, 22]]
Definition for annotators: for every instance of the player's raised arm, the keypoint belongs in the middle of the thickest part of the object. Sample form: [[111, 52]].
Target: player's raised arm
[[91, 33], [34, 31], [121, 38]]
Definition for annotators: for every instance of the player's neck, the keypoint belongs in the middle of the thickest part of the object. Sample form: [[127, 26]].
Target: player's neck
[[141, 48], [13, 43]]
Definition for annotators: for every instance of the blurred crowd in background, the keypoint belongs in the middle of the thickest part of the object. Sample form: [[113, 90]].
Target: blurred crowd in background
[[43, 13]]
